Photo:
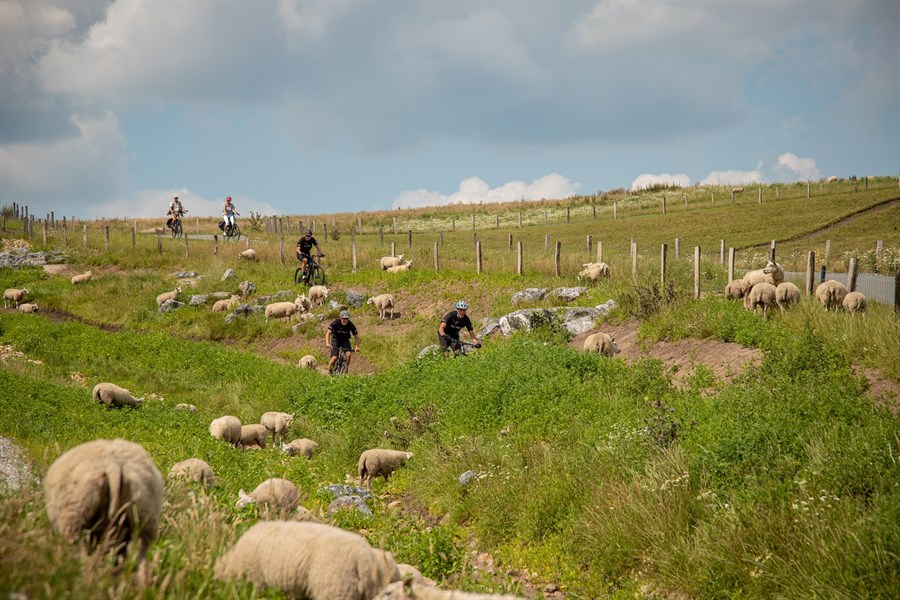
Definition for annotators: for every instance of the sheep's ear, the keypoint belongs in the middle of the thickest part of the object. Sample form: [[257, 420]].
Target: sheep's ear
[[242, 495]]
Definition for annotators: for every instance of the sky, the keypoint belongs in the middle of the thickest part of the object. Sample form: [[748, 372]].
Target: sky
[[111, 108]]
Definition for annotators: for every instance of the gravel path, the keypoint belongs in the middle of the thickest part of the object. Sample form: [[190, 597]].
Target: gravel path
[[14, 469]]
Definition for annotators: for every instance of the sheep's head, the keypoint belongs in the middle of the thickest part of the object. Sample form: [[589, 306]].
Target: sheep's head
[[771, 267], [288, 420], [178, 290], [243, 499], [285, 448], [370, 301], [613, 346], [25, 291], [409, 263], [400, 258]]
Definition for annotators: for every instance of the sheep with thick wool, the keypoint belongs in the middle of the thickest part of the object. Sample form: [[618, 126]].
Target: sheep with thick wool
[[228, 429], [318, 294], [401, 268], [165, 296], [383, 302], [854, 302], [14, 296], [831, 293], [602, 343], [226, 304], [391, 261], [248, 254], [736, 289], [594, 271], [110, 488], [309, 561], [771, 273], [412, 588], [379, 462], [300, 447], [82, 277], [279, 495], [786, 294], [308, 362], [280, 310], [193, 469], [276, 423], [28, 307], [762, 295], [113, 395], [253, 436]]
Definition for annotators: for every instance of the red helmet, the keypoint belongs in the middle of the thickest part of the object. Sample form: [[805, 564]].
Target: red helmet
[[228, 199]]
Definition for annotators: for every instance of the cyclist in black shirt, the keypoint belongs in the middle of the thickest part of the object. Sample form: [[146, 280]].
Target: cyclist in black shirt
[[338, 338], [451, 324], [304, 245]]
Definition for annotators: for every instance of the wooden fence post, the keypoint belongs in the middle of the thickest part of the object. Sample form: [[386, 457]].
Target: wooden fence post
[[452, 223], [685, 201], [353, 248], [520, 219], [281, 251], [712, 198], [662, 264], [545, 216], [248, 239], [594, 210], [772, 250], [409, 238], [198, 225], [732, 196], [65, 234], [519, 261], [879, 250], [442, 239], [807, 188], [810, 271], [558, 252], [664, 205], [633, 259], [394, 225], [777, 193], [827, 251], [497, 221], [133, 235], [568, 215], [546, 242], [84, 242], [696, 271], [436, 263], [510, 242], [158, 242], [381, 235], [589, 241], [325, 231], [599, 251], [359, 224], [45, 232], [677, 248], [721, 252], [759, 196], [478, 257], [186, 254], [473, 221], [730, 265], [215, 244], [393, 249], [615, 210], [851, 275]]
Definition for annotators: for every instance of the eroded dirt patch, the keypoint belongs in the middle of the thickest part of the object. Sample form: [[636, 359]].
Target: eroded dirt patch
[[881, 388]]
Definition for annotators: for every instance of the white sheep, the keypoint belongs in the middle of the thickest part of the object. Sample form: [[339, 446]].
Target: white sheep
[[248, 254], [831, 179], [186, 407], [15, 296], [411, 588], [401, 268], [318, 294], [310, 561], [28, 307], [736, 289], [276, 423], [771, 273], [227, 428], [786, 293], [280, 310], [82, 277], [193, 469], [173, 295], [378, 462], [760, 295], [854, 302], [113, 395], [308, 362], [602, 343], [301, 446], [737, 190], [391, 261], [110, 488], [253, 436], [226, 304], [383, 303], [303, 303], [275, 494], [594, 271], [831, 294]]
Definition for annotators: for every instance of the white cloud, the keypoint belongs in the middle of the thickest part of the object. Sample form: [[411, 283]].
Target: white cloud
[[646, 180], [733, 177], [622, 22], [475, 190], [791, 167], [154, 203]]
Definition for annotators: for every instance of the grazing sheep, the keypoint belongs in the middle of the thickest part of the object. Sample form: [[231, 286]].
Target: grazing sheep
[[280, 310], [226, 428], [786, 293], [854, 302], [413, 588], [737, 190], [173, 295], [736, 289], [831, 179], [602, 343], [15, 296], [82, 278], [401, 268], [308, 362], [227, 304], [277, 423], [246, 288], [113, 395], [831, 294], [248, 254], [253, 436], [382, 303], [311, 561], [594, 271], [28, 307], [412, 574], [187, 407], [302, 446], [277, 494], [771, 273], [391, 261], [378, 462], [317, 294], [760, 295], [112, 489], [195, 470], [303, 303]]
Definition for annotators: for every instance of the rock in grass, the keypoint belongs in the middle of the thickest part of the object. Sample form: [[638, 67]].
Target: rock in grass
[[349, 502], [185, 274], [197, 299], [529, 295], [428, 351], [355, 299], [337, 490], [466, 478], [169, 306], [229, 273], [568, 293]]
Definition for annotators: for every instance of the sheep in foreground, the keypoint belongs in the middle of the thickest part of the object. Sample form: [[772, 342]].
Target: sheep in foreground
[[771, 273], [602, 343], [594, 271], [391, 261], [14, 296], [193, 469], [831, 294], [383, 302], [275, 494], [226, 304], [173, 295], [28, 307], [401, 268], [854, 302], [248, 254], [311, 561], [736, 289], [378, 462], [82, 277], [786, 293], [302, 447], [761, 295], [317, 294], [112, 489], [308, 362], [421, 590], [276, 423], [113, 395], [226, 428], [253, 436]]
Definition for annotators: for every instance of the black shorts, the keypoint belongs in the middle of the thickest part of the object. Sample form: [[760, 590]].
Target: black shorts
[[302, 255], [336, 348], [449, 343]]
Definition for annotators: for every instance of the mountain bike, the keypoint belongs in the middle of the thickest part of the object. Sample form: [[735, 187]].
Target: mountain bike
[[177, 227], [315, 274], [461, 348], [232, 233], [341, 366]]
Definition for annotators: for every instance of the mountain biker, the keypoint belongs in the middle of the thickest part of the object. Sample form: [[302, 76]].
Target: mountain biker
[[176, 209], [451, 323], [304, 245], [338, 338], [228, 212]]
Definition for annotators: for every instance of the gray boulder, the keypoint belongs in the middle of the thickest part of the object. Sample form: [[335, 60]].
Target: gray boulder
[[490, 326], [228, 274], [185, 274], [524, 320], [568, 294], [334, 305], [529, 295], [466, 478], [349, 502], [198, 299], [355, 299], [338, 489], [169, 306]]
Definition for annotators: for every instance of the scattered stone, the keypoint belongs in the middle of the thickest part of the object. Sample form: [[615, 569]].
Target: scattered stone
[[185, 274], [243, 310], [337, 490], [349, 502], [568, 294], [466, 478], [428, 351], [229, 273], [355, 299], [197, 299], [169, 306], [490, 326], [187, 407], [529, 295], [277, 296], [21, 257], [524, 320], [246, 288], [334, 305]]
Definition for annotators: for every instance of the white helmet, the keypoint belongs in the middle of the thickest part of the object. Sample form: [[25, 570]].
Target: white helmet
[[462, 305]]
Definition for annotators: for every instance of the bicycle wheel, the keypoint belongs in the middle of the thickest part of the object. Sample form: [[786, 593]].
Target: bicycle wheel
[[318, 275], [176, 228], [236, 232]]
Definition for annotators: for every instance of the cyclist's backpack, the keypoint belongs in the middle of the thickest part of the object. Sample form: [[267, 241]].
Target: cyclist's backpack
[[222, 225]]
